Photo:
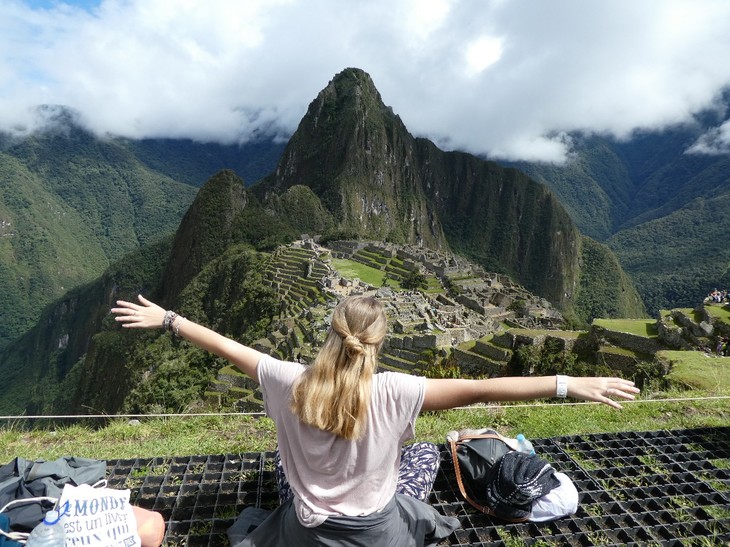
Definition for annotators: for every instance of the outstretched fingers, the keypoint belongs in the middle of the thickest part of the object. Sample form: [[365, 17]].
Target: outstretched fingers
[[143, 315], [618, 388], [126, 313], [603, 390]]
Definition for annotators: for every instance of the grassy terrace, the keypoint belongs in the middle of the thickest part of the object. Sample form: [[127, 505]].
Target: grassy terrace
[[696, 315], [697, 370], [721, 312], [708, 378], [556, 333], [351, 269], [639, 327]]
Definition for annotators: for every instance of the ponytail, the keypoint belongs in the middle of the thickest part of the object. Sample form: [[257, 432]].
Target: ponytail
[[334, 393]]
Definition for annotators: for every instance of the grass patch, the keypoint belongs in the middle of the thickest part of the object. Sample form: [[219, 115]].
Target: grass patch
[[367, 274], [534, 333], [191, 435], [720, 312], [639, 327], [698, 370], [620, 351], [468, 345], [558, 420], [433, 285], [351, 269], [154, 437], [566, 334], [717, 512]]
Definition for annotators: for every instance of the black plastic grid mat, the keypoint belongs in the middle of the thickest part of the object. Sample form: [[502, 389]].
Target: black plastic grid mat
[[638, 488]]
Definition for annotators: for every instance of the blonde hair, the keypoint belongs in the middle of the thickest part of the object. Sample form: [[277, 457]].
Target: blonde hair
[[334, 393]]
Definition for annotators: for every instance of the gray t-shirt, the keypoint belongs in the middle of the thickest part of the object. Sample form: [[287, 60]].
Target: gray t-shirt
[[330, 475]]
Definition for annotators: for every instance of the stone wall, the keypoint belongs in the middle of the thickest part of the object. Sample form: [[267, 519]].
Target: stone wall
[[474, 365], [633, 342], [617, 360]]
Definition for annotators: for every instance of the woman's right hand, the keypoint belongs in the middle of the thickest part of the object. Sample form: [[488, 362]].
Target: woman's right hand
[[443, 393], [601, 390]]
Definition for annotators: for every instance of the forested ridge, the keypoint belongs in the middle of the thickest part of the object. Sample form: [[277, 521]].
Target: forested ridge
[[657, 202], [72, 203]]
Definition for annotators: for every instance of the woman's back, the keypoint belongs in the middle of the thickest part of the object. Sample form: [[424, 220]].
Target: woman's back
[[331, 475]]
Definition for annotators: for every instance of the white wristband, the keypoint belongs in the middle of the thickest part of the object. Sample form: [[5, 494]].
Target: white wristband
[[561, 386]]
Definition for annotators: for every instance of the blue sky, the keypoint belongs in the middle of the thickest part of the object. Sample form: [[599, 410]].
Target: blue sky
[[504, 78], [48, 4]]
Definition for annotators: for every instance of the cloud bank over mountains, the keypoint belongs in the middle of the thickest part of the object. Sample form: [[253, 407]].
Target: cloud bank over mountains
[[502, 78]]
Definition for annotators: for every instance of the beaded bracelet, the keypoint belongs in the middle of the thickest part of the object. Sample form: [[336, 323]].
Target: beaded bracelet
[[168, 323], [169, 319], [177, 326]]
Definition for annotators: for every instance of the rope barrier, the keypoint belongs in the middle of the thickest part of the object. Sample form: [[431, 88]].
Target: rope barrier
[[479, 406]]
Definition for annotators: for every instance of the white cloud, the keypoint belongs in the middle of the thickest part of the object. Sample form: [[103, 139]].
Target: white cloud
[[482, 53], [499, 78], [715, 142]]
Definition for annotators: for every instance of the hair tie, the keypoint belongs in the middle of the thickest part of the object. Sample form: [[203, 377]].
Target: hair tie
[[353, 346]]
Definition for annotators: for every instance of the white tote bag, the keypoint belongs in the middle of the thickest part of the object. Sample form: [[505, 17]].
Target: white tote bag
[[102, 517]]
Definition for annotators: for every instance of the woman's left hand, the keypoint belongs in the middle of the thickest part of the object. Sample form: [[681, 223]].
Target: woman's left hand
[[148, 315], [145, 315]]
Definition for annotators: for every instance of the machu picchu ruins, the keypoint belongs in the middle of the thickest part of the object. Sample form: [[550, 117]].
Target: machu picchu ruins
[[474, 319]]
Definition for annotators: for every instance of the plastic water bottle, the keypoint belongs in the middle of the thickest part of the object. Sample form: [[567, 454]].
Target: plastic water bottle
[[524, 446], [48, 533]]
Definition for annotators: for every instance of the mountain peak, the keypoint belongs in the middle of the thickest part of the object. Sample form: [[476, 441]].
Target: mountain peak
[[357, 156], [348, 111], [205, 231], [352, 74], [352, 84]]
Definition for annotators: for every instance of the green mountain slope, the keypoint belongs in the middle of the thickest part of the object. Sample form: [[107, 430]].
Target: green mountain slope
[[123, 203], [680, 257], [39, 367], [193, 163], [605, 289], [666, 176], [72, 203], [504, 221], [655, 204], [594, 186], [46, 248]]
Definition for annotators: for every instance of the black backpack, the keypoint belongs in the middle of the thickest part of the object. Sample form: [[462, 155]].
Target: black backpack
[[497, 480]]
